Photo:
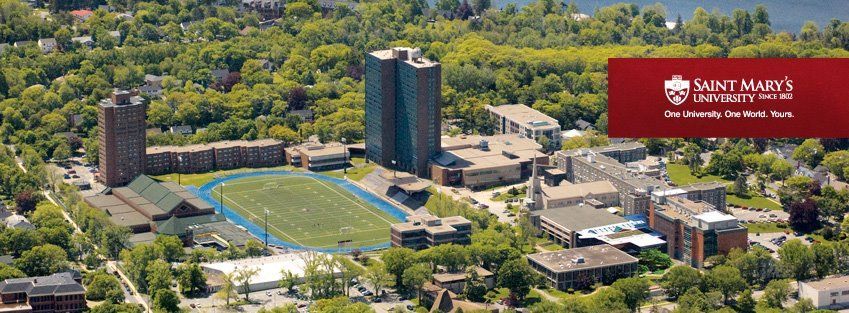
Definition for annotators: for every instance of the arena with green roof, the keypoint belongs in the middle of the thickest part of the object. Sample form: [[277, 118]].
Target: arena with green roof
[[146, 205]]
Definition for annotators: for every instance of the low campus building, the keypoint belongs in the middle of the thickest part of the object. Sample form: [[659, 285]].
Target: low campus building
[[270, 270], [220, 155], [580, 268], [483, 161], [826, 293], [598, 194], [45, 294], [523, 120], [317, 156], [423, 231], [635, 182], [147, 205], [584, 225], [695, 230], [456, 282]]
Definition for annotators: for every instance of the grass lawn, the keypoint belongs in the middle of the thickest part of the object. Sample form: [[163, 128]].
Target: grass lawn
[[307, 211], [200, 179], [681, 175], [551, 246], [754, 202], [765, 228], [354, 173]]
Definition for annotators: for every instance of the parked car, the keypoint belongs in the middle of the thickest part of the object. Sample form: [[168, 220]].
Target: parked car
[[377, 300], [66, 176], [268, 293]]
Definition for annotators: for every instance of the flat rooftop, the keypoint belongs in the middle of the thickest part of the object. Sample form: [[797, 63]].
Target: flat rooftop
[[829, 283], [420, 62], [582, 258], [214, 145], [525, 115], [579, 190], [579, 217]]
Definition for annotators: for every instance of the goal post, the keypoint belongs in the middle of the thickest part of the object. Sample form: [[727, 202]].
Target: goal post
[[271, 185], [345, 230]]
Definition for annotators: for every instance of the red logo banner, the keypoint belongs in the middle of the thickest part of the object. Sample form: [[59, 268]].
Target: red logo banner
[[728, 98]]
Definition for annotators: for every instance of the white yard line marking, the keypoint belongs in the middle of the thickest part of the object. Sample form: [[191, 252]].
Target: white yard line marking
[[356, 202], [257, 217]]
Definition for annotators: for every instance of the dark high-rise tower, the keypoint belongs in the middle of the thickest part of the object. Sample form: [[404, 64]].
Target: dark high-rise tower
[[122, 138], [403, 109]]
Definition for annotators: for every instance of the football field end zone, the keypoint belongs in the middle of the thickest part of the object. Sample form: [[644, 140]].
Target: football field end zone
[[205, 193]]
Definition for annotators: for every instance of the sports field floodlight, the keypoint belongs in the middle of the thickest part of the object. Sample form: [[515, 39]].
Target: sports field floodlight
[[179, 165], [345, 153], [266, 228], [221, 200]]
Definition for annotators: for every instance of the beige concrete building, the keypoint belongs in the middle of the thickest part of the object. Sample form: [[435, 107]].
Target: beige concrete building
[[597, 194], [483, 161], [523, 120], [580, 268], [423, 231], [827, 293], [317, 156]]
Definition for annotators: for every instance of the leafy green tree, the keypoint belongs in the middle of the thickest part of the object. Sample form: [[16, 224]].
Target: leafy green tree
[[244, 276], [415, 277], [166, 300], [191, 278], [726, 280], [43, 260], [796, 260], [824, 259], [810, 152], [679, 279], [517, 276], [104, 286], [171, 247], [635, 289], [654, 260], [397, 260], [159, 276], [693, 300], [378, 277], [7, 272], [776, 293], [745, 302]]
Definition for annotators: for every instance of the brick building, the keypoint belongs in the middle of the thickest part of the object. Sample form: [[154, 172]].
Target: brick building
[[403, 109], [122, 126], [317, 156], [221, 155], [695, 230], [45, 294]]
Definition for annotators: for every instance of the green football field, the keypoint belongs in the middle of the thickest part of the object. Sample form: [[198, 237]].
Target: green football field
[[307, 211]]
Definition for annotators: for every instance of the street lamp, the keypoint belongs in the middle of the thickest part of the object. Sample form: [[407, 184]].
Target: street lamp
[[345, 152], [179, 165], [394, 170], [266, 228], [221, 201]]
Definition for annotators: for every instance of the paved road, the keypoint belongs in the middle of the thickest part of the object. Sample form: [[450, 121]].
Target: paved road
[[110, 264]]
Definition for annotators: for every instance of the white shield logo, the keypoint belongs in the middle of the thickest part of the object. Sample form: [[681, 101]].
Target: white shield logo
[[677, 90]]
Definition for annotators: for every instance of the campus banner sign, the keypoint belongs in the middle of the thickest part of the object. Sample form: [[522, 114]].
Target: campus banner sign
[[712, 97]]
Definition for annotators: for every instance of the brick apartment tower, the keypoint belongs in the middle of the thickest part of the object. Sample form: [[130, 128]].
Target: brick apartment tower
[[403, 109], [121, 119]]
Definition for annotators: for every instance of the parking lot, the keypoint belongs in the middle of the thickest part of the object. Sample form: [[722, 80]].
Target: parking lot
[[773, 241], [78, 170], [763, 216]]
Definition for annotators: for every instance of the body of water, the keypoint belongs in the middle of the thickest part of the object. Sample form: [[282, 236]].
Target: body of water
[[785, 15]]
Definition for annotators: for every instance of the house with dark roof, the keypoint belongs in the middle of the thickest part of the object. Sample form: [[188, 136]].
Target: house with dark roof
[[59, 292], [147, 205]]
